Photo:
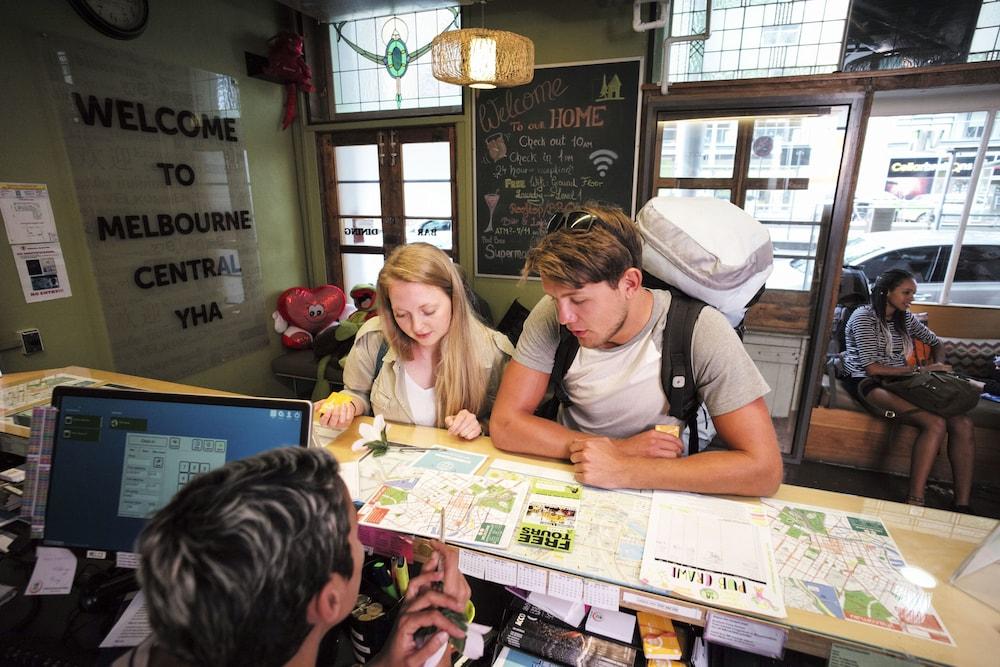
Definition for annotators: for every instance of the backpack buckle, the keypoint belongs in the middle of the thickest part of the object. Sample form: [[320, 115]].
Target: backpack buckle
[[677, 381]]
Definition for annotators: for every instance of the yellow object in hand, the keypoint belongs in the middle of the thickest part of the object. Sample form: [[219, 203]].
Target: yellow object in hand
[[333, 400], [671, 429]]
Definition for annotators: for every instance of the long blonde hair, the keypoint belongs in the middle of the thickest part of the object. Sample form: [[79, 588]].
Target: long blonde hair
[[460, 377]]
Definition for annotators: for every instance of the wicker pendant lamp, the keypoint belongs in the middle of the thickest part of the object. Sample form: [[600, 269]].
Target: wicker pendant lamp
[[482, 58]]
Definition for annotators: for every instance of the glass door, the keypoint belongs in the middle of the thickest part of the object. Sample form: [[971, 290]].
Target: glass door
[[384, 188], [782, 166]]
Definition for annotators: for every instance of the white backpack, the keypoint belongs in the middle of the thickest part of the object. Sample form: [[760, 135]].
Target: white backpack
[[708, 248]]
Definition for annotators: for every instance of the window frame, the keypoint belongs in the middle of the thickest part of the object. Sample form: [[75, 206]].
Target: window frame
[[391, 191]]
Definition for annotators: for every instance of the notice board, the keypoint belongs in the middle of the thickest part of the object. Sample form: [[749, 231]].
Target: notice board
[[566, 138]]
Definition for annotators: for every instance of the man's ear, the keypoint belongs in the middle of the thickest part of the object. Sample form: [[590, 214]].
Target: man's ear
[[631, 281], [330, 605]]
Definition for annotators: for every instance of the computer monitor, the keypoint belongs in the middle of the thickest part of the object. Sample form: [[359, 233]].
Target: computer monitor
[[118, 456]]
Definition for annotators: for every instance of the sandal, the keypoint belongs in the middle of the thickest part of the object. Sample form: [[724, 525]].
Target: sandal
[[915, 500]]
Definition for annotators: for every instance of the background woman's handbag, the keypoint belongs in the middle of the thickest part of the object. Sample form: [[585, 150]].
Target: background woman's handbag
[[942, 393]]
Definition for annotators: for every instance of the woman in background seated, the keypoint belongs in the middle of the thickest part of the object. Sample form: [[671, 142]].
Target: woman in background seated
[[879, 341], [426, 359]]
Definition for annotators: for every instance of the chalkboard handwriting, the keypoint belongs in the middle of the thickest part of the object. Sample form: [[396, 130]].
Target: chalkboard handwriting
[[493, 113], [546, 147]]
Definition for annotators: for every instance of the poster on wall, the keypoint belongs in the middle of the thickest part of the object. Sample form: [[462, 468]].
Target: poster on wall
[[27, 213], [162, 181], [566, 138], [42, 271], [34, 241]]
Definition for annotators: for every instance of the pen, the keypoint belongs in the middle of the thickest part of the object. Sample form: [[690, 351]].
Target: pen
[[439, 585], [442, 525], [402, 573]]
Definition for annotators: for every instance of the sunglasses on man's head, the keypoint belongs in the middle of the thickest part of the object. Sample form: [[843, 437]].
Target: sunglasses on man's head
[[577, 221]]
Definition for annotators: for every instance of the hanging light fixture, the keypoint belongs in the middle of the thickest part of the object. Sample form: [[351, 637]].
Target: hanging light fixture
[[482, 58]]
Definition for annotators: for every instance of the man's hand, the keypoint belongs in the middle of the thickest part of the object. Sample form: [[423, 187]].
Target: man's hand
[[654, 444], [421, 608], [464, 425], [598, 462], [416, 612]]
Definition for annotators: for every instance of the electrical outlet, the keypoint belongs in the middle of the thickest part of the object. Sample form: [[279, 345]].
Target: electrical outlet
[[31, 341]]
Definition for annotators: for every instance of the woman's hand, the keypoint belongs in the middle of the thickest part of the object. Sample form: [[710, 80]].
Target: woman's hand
[[937, 366], [339, 416], [464, 425]]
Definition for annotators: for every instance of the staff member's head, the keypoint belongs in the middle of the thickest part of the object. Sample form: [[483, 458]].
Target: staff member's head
[[252, 562]]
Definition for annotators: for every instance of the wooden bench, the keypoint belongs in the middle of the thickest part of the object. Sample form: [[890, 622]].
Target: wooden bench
[[861, 440]]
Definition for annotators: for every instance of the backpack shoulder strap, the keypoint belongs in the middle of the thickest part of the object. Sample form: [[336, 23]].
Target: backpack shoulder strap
[[565, 354], [676, 374], [382, 349]]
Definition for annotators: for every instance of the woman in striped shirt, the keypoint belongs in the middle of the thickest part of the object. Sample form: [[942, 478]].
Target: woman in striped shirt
[[879, 341]]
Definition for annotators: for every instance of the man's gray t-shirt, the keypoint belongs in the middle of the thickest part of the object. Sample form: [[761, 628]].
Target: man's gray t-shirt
[[616, 392]]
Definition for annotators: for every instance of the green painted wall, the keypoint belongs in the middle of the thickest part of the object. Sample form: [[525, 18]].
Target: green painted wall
[[207, 34]]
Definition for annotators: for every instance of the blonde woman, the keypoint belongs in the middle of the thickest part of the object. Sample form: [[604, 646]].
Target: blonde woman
[[426, 359]]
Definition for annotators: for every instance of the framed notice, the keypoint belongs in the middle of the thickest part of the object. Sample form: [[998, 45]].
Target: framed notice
[[566, 138]]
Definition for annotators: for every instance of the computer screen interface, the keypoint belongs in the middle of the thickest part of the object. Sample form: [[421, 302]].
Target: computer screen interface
[[120, 456]]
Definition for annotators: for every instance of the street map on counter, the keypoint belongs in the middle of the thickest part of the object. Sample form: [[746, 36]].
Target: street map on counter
[[478, 511], [712, 550], [848, 566], [608, 535]]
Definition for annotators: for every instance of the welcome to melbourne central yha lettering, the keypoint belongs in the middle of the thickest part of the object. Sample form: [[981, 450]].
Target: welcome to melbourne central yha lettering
[[115, 114]]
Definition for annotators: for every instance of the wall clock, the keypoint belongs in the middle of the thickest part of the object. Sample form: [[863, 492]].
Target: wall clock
[[121, 19]]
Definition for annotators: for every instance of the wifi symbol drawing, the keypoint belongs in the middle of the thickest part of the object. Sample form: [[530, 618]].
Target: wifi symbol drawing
[[603, 159]]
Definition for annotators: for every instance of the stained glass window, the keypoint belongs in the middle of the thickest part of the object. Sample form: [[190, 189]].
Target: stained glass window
[[384, 63]]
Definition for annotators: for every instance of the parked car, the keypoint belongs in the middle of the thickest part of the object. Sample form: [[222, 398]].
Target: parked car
[[926, 255], [923, 253]]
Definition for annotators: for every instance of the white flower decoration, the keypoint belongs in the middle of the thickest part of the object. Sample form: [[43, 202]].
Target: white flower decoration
[[374, 436]]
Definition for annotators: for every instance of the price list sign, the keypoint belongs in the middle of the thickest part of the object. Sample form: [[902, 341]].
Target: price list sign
[[566, 138]]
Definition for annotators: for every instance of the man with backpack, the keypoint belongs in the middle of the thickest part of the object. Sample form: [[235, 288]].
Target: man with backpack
[[590, 265]]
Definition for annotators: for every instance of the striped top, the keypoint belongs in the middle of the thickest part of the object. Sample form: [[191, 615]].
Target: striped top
[[866, 341]]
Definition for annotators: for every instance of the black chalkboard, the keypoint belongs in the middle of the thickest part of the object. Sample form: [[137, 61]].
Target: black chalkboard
[[567, 137]]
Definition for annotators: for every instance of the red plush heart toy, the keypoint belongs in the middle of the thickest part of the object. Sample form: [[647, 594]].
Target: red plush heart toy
[[312, 309]]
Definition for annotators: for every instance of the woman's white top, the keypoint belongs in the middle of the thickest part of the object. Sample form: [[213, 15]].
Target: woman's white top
[[422, 403]]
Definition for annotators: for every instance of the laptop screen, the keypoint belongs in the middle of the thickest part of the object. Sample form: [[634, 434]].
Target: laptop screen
[[118, 456]]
